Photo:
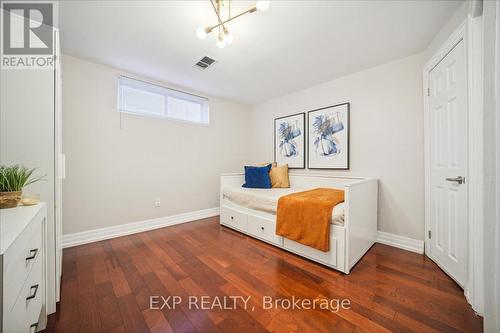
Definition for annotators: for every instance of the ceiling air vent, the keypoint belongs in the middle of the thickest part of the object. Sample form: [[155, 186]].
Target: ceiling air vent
[[204, 63]]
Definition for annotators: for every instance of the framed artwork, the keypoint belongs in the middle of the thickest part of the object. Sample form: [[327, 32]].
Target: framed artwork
[[328, 137], [289, 141]]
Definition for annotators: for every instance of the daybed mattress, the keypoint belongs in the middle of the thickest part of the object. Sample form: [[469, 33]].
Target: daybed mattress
[[266, 200]]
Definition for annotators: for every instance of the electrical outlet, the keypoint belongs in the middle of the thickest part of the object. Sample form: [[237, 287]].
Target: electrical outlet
[[157, 202]]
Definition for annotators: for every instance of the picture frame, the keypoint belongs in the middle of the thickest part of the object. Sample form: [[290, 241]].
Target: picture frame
[[328, 137], [290, 141]]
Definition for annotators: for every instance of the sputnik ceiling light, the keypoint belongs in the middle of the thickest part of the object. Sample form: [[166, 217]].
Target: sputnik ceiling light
[[224, 36]]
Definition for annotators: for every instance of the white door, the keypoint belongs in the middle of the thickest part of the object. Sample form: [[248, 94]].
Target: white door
[[448, 164]]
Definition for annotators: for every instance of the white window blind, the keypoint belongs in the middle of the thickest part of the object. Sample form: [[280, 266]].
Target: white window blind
[[143, 98]]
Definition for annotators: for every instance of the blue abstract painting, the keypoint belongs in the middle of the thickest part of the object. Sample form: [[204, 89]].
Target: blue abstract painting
[[328, 137], [325, 127], [289, 140], [288, 147]]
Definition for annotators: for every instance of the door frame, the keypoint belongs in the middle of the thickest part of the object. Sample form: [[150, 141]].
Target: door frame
[[59, 167], [470, 32]]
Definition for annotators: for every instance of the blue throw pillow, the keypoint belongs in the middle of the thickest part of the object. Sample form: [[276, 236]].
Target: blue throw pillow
[[257, 177]]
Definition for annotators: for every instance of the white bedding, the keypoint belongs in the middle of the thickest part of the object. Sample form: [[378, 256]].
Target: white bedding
[[266, 200]]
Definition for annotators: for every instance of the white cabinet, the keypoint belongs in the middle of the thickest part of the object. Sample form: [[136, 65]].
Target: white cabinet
[[23, 267]]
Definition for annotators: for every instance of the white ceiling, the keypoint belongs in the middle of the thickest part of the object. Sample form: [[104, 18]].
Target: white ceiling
[[291, 46]]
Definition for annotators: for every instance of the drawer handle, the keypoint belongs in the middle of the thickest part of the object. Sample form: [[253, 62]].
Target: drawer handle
[[33, 327], [262, 228], [32, 255], [232, 217], [34, 293]]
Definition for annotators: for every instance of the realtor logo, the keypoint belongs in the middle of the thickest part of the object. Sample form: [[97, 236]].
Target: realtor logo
[[28, 35]]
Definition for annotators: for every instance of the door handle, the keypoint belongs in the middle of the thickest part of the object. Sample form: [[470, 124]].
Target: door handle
[[458, 179]]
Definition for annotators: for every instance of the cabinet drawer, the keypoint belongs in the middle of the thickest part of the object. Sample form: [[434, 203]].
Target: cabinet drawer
[[20, 259], [233, 218], [28, 305], [264, 228]]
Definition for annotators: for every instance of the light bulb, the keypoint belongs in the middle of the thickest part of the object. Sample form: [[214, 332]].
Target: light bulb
[[228, 38], [220, 43], [201, 33], [262, 5]]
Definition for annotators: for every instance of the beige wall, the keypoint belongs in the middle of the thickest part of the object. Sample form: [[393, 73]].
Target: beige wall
[[448, 28], [113, 174], [386, 135]]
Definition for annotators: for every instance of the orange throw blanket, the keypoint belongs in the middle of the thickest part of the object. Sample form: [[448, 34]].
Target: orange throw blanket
[[305, 217]]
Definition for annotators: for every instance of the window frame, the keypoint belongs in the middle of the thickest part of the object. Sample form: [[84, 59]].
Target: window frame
[[169, 92]]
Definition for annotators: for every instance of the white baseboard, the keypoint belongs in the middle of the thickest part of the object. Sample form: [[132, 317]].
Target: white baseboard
[[401, 242], [95, 235]]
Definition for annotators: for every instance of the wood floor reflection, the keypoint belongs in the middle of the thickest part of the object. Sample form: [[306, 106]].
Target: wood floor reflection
[[107, 285]]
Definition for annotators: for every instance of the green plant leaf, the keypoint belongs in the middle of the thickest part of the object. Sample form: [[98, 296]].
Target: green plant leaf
[[14, 178]]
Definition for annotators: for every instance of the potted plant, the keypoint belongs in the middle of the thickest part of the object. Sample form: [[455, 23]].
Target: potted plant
[[12, 181]]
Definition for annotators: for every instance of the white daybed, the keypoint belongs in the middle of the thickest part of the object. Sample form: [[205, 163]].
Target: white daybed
[[354, 223]]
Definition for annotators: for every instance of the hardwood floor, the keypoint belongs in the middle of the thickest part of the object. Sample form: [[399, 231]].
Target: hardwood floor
[[107, 285]]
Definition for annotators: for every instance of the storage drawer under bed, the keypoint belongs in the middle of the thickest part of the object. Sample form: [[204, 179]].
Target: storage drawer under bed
[[264, 229], [233, 218], [334, 258]]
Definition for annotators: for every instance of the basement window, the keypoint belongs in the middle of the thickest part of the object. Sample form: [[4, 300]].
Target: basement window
[[147, 99]]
